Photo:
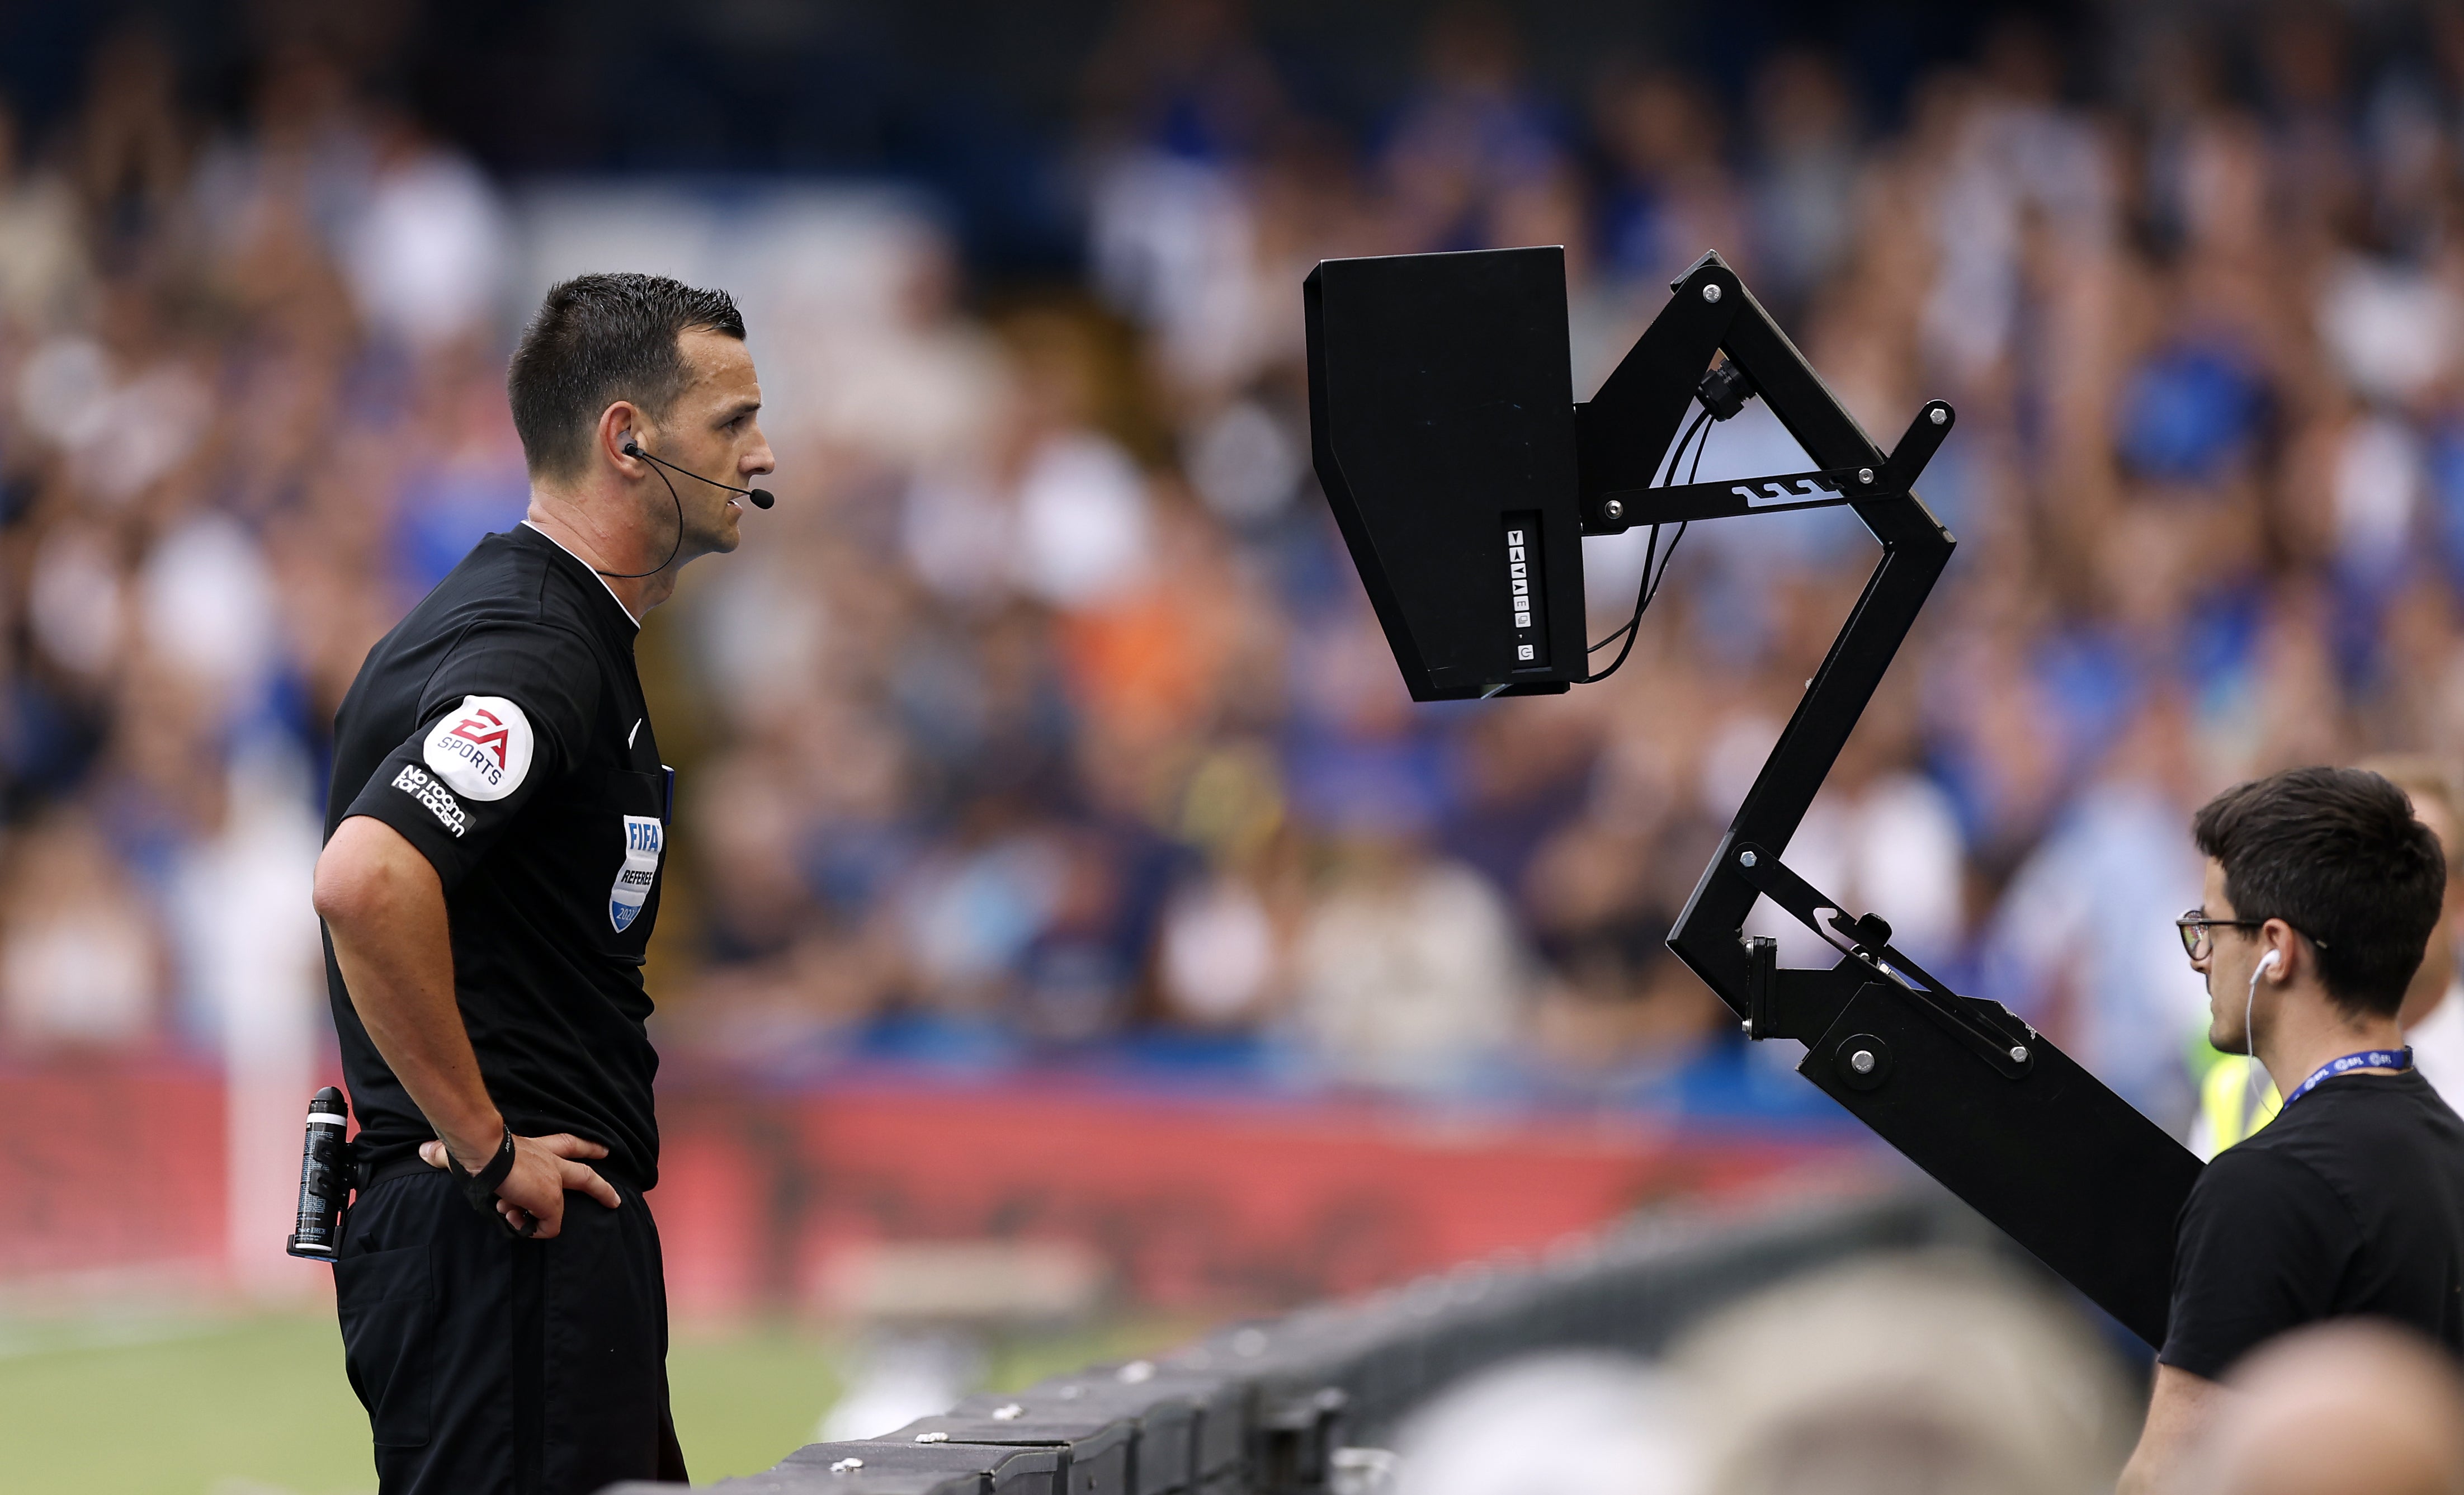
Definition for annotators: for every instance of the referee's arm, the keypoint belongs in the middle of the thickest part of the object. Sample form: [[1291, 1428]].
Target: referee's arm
[[385, 907]]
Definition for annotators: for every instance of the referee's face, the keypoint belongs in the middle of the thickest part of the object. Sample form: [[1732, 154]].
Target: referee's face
[[715, 427]]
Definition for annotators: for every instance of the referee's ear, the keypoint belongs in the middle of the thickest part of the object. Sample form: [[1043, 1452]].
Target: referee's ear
[[620, 428]]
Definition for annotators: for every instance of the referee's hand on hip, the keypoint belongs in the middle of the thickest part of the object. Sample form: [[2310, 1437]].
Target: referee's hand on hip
[[532, 1197]]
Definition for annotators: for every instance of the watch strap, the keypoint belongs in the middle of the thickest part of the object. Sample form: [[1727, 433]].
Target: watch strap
[[481, 1188]]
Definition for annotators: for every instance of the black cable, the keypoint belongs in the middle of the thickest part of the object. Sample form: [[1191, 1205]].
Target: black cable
[[1660, 480], [678, 501], [1690, 475], [1649, 587], [1650, 553]]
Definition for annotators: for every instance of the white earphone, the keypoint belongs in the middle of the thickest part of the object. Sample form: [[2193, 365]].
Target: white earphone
[[2250, 1037]]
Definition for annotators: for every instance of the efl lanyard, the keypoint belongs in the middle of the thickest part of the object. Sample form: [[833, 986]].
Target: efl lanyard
[[2366, 1058]]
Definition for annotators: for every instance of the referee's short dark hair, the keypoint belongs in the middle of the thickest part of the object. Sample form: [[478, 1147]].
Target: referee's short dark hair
[[2335, 853], [599, 339]]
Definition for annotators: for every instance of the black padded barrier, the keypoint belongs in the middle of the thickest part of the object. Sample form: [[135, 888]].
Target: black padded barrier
[[1260, 1407]]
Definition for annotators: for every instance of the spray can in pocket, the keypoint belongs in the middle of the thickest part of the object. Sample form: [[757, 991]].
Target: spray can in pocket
[[325, 1178]]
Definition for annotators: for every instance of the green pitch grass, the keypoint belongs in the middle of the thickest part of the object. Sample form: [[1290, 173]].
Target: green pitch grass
[[258, 1405]]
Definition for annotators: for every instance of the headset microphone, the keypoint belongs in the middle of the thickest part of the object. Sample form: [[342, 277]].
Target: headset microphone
[[762, 497]]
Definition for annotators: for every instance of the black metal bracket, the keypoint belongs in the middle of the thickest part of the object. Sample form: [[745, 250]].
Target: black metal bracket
[[1762, 971], [1615, 509], [1684, 502], [1987, 1029]]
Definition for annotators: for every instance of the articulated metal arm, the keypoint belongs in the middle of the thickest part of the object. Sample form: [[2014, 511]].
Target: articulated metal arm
[[1464, 477], [1963, 1088]]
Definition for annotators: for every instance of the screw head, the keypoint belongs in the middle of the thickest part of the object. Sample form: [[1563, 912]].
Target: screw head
[[1745, 859], [847, 1466], [1940, 415], [932, 1437], [1864, 474], [1711, 292], [1008, 1412], [2018, 1053], [1612, 510], [1862, 1060]]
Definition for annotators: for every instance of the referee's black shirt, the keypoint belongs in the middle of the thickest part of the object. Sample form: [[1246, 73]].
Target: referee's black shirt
[[500, 729], [2349, 1204]]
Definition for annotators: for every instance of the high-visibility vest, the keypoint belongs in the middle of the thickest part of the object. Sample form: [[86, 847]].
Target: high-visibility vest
[[2226, 1115]]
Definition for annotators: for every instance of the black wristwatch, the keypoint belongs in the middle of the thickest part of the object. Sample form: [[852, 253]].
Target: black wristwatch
[[481, 1188]]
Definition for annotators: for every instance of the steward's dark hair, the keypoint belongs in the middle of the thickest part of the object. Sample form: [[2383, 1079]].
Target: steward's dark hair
[[2335, 853], [599, 339]]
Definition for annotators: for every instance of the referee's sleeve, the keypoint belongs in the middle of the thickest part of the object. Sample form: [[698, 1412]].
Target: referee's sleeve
[[503, 717], [2261, 1243]]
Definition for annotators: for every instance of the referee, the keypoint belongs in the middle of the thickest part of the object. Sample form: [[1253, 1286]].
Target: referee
[[2322, 892], [490, 874]]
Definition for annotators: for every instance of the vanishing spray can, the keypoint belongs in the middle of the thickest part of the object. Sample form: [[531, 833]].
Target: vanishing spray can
[[324, 1178]]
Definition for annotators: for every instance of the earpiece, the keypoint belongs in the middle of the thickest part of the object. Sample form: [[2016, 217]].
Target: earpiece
[[2250, 1035]]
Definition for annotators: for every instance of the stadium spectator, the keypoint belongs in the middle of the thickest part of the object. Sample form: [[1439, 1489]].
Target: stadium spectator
[[1406, 970], [2432, 1016], [82, 966], [1474, 141], [1569, 1424], [2072, 944], [1921, 1372], [1805, 182], [44, 273], [2341, 1408]]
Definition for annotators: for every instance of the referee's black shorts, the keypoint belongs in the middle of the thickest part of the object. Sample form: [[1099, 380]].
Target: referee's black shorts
[[492, 1366]]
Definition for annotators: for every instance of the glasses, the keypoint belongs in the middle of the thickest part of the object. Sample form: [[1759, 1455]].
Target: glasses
[[2194, 925]]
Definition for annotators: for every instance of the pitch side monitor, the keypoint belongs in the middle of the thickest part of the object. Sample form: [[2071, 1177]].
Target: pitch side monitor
[[1442, 415]]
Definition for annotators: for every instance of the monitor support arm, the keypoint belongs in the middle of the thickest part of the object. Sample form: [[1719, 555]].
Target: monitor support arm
[[1961, 1086]]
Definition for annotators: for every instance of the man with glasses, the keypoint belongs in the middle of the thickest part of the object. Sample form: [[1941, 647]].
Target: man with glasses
[[2232, 1105], [2322, 892]]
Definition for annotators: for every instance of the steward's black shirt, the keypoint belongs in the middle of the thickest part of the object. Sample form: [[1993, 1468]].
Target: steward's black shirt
[[2351, 1202], [500, 728]]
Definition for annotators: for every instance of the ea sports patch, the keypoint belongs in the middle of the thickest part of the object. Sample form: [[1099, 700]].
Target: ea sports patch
[[482, 748]]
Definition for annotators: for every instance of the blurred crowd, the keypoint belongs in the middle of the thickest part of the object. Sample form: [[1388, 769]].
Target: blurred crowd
[[1936, 1371], [1045, 717]]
